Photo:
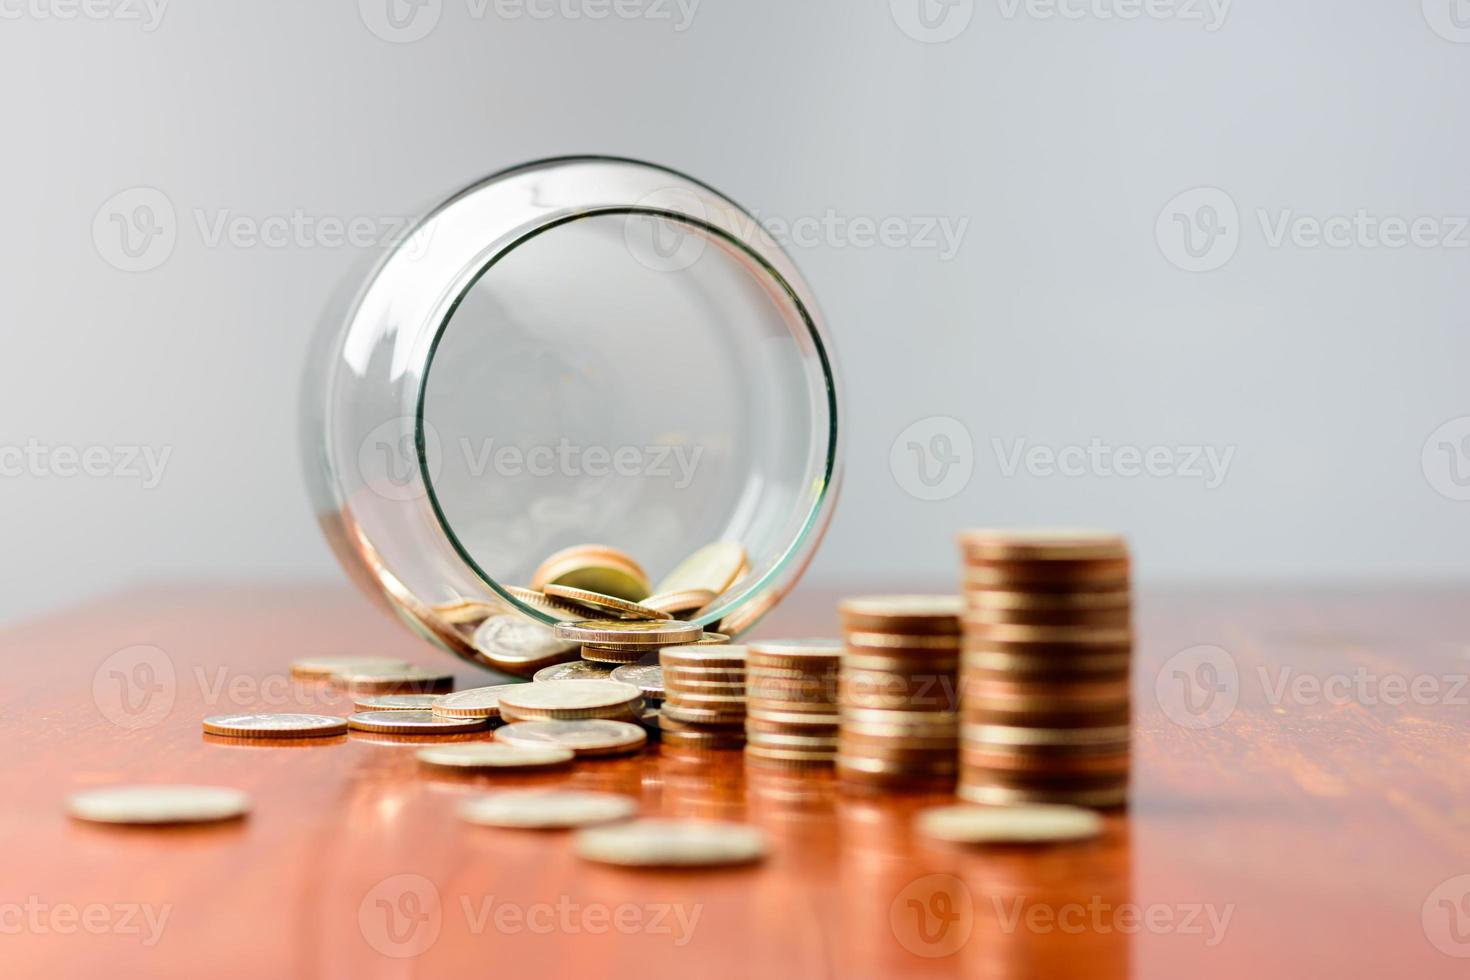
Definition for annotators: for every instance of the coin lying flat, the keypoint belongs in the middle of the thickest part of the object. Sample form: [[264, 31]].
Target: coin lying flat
[[667, 843], [630, 632], [279, 725], [570, 700], [714, 568], [1009, 824], [586, 737], [390, 680], [494, 755], [600, 602], [577, 670], [395, 702], [596, 567], [1044, 544], [547, 809], [158, 804], [476, 702], [316, 667], [418, 722]]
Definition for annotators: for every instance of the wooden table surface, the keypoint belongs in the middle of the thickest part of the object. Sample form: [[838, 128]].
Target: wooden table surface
[[1321, 828]]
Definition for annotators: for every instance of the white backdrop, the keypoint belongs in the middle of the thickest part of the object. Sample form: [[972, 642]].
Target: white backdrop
[[1192, 269]]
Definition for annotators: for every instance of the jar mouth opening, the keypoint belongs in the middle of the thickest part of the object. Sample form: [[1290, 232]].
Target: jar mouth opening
[[773, 569]]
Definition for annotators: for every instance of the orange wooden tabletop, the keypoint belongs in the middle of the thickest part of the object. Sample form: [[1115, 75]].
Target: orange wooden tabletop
[[1301, 808]]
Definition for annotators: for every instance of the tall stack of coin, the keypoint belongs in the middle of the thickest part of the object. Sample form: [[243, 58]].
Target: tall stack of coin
[[899, 703], [1047, 653], [791, 703], [704, 696]]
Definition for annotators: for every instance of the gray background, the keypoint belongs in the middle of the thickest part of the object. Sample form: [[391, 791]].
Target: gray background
[[1060, 318]]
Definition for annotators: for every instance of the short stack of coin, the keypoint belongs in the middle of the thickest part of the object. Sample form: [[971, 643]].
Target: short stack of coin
[[898, 694], [791, 703], [1047, 653], [704, 696]]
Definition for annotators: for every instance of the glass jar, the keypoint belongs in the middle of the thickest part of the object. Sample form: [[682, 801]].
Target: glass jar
[[579, 350]]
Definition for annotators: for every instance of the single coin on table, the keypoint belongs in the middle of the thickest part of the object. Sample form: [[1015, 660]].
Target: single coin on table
[[418, 722], [275, 725], [672, 843], [586, 737], [394, 702], [569, 700], [598, 602], [577, 670], [158, 804], [630, 632], [595, 567], [494, 755], [325, 667], [475, 702], [713, 568], [388, 680], [547, 809], [1009, 824]]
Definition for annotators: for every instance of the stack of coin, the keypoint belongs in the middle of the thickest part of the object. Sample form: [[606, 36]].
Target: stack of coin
[[898, 697], [1047, 653], [704, 696], [791, 703]]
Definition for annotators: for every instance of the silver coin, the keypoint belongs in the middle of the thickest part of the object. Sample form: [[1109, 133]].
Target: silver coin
[[274, 725], [577, 670], [412, 723], [547, 809], [648, 678], [668, 843], [494, 755], [515, 639], [1009, 824], [395, 702], [158, 804], [586, 737]]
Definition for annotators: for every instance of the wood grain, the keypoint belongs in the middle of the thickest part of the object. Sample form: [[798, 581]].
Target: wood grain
[[1320, 825]]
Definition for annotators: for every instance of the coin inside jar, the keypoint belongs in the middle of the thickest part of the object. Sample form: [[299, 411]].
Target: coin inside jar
[[576, 670], [713, 568], [598, 602], [585, 737], [629, 632], [595, 567]]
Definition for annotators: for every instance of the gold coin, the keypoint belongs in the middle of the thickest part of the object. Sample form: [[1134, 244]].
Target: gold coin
[[685, 601], [158, 804], [412, 723], [275, 725], [586, 737], [799, 655], [476, 702], [546, 809], [597, 568], [702, 741], [713, 568], [1042, 544], [599, 602], [993, 794], [314, 667], [724, 655], [790, 718], [1003, 663], [708, 639], [1027, 735], [597, 653], [395, 702], [1051, 602], [917, 615], [629, 632], [648, 678], [465, 612], [1009, 825], [1016, 634], [672, 843], [569, 700], [1071, 577], [732, 714], [577, 670], [494, 755], [552, 606]]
